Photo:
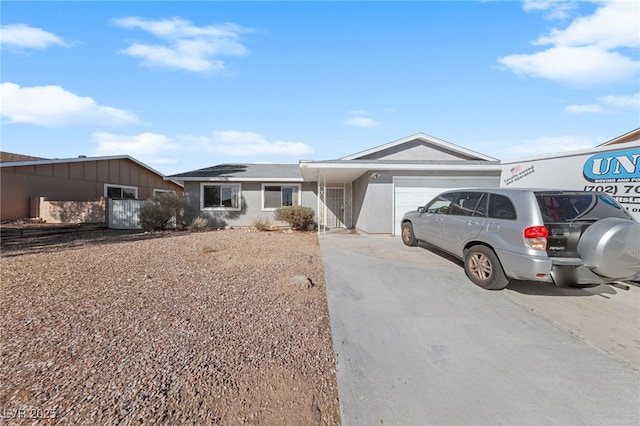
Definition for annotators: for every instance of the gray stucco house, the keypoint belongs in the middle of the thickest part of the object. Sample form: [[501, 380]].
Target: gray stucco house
[[368, 191]]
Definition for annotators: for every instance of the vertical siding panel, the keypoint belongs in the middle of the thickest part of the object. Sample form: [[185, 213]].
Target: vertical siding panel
[[125, 177], [61, 170], [135, 175], [103, 171], [91, 170], [44, 169], [114, 171], [76, 171]]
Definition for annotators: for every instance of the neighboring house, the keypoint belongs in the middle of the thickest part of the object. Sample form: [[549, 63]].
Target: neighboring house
[[74, 179], [369, 191]]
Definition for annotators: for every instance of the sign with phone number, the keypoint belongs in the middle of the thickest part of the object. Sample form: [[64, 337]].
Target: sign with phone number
[[622, 193], [616, 174]]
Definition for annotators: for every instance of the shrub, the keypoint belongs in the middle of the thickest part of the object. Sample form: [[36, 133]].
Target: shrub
[[262, 224], [299, 218], [158, 211], [199, 224]]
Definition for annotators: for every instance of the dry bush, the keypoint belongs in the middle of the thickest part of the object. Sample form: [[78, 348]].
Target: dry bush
[[299, 218]]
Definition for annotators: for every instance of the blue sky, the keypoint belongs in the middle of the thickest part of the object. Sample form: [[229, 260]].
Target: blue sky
[[185, 85]]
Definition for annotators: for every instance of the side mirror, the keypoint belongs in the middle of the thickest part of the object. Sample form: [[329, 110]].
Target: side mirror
[[421, 209]]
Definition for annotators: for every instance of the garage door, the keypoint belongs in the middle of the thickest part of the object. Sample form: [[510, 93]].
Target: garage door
[[411, 192]]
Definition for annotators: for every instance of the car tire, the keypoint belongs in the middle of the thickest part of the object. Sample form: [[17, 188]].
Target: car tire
[[611, 248], [408, 237], [483, 267]]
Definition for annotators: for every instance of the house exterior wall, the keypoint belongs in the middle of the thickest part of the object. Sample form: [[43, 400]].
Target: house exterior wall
[[72, 181], [372, 202], [250, 204]]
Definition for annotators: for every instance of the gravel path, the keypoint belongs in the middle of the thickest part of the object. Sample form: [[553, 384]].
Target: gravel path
[[220, 327]]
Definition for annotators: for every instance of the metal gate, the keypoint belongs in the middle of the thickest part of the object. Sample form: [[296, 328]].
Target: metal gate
[[335, 207], [124, 214]]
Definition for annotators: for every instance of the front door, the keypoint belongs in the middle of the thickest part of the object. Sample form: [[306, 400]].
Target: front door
[[335, 207]]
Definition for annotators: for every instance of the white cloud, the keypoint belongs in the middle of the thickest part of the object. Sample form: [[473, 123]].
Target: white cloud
[[187, 47], [547, 145], [627, 102], [613, 25], [579, 109], [144, 144], [608, 104], [25, 37], [52, 106], [574, 65], [590, 50], [238, 143], [362, 122], [554, 9]]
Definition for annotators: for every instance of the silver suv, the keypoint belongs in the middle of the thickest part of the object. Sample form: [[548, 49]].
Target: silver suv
[[570, 238]]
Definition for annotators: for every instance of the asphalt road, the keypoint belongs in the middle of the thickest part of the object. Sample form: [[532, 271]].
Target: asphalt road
[[419, 344]]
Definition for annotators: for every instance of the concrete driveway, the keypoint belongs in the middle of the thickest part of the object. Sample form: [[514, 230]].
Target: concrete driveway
[[419, 344]]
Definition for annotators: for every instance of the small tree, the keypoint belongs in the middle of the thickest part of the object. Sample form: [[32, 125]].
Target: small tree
[[158, 211], [300, 218]]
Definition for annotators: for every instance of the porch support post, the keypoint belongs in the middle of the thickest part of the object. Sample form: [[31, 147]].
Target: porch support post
[[322, 205]]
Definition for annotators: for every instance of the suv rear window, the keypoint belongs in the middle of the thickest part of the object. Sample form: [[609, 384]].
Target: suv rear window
[[501, 207], [570, 206]]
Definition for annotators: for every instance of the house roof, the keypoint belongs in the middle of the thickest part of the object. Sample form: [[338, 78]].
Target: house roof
[[243, 173], [433, 155], [439, 156], [349, 170], [10, 156], [79, 160], [428, 140]]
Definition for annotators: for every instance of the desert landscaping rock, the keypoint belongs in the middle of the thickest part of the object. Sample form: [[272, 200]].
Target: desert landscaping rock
[[220, 327]]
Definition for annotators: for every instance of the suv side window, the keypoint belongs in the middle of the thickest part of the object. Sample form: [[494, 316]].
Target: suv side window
[[481, 208], [500, 207], [440, 204], [465, 203]]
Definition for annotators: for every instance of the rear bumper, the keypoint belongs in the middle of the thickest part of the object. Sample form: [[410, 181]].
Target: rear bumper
[[560, 271]]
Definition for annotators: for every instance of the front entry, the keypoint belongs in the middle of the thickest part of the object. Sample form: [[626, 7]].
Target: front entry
[[335, 208]]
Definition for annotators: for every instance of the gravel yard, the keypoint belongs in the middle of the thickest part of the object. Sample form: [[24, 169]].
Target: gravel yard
[[218, 327]]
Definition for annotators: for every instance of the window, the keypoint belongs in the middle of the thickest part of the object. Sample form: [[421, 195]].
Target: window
[[500, 207], [120, 191], [220, 196], [440, 204], [466, 204], [162, 191], [275, 196], [481, 208]]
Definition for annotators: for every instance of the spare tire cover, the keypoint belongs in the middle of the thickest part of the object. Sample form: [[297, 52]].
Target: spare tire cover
[[611, 248]]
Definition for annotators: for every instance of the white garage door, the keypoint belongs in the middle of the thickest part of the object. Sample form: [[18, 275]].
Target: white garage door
[[411, 192]]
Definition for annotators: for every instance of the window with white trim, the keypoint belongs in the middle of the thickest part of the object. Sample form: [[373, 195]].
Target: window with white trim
[[276, 196], [120, 191], [162, 191], [216, 196]]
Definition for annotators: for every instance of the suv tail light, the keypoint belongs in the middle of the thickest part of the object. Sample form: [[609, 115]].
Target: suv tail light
[[535, 237]]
